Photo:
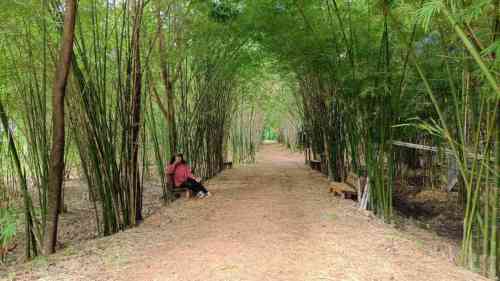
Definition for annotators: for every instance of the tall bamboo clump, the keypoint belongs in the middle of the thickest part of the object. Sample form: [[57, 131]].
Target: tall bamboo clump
[[199, 85], [290, 131], [106, 110], [246, 132], [206, 90], [469, 124], [205, 129]]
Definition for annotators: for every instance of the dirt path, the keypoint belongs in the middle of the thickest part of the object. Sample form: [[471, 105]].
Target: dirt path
[[269, 221]]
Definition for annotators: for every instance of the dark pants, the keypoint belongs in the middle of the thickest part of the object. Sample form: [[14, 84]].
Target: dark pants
[[194, 186]]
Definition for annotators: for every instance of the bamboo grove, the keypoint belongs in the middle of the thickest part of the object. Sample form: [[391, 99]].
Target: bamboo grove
[[147, 79], [372, 74], [349, 81]]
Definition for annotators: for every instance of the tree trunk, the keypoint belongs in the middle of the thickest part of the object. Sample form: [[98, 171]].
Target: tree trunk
[[136, 111], [56, 172]]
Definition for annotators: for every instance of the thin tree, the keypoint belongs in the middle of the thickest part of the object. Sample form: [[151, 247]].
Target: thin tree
[[136, 110], [58, 132]]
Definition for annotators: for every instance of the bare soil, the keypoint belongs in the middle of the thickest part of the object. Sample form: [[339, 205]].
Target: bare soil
[[78, 223], [430, 207], [274, 220]]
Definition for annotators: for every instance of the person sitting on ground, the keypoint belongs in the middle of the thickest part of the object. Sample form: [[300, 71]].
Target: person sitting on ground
[[184, 178]]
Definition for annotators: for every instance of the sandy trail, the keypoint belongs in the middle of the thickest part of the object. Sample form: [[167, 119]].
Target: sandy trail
[[270, 221]]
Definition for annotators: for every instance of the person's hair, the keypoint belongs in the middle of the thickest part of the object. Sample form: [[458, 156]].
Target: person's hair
[[172, 160]]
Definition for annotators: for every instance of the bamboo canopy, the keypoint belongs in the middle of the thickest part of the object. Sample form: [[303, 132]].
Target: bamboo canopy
[[358, 86]]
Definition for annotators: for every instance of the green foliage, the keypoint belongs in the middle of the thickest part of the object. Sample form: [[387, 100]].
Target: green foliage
[[428, 11], [224, 11], [8, 227], [270, 134]]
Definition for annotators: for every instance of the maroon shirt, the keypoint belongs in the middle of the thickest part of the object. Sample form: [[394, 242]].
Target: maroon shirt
[[181, 173]]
